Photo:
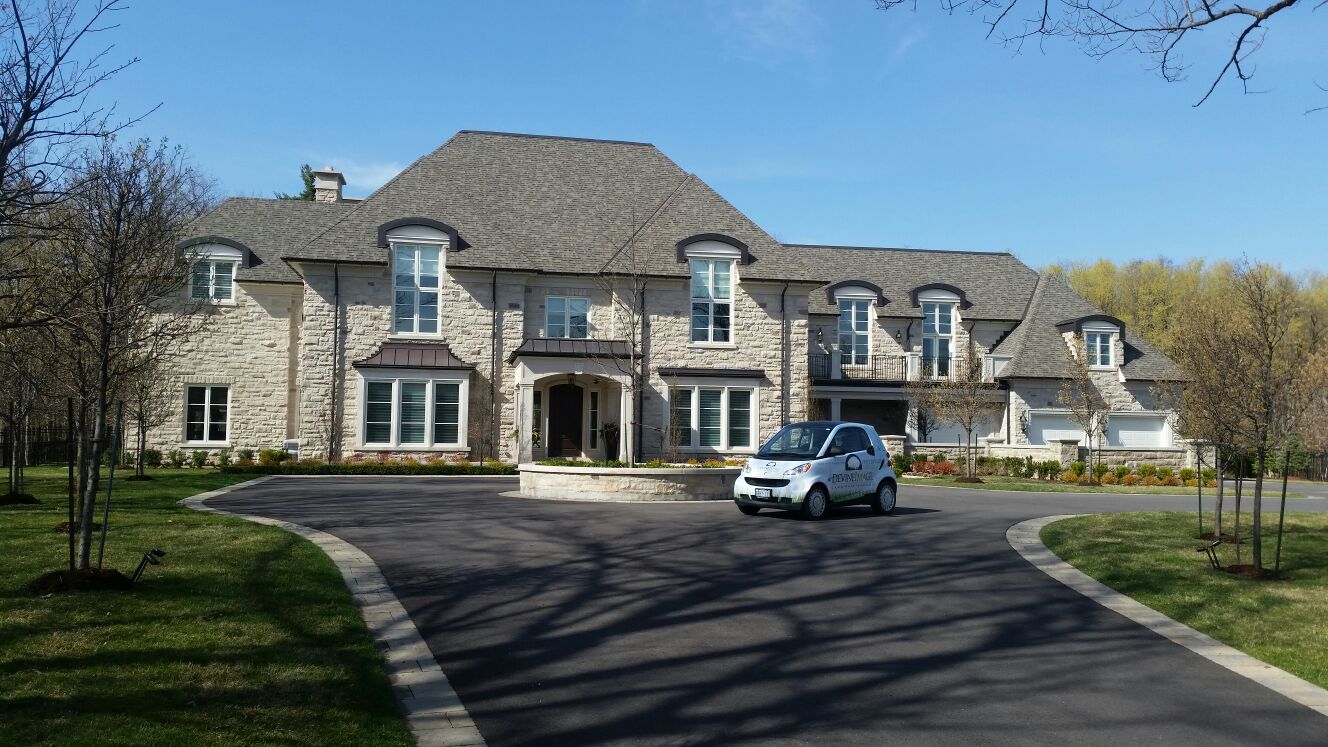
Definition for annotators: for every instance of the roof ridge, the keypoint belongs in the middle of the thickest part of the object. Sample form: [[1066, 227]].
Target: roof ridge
[[687, 176], [554, 137], [902, 249]]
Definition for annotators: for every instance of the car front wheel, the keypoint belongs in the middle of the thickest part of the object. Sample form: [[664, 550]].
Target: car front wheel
[[816, 504], [884, 502], [749, 510]]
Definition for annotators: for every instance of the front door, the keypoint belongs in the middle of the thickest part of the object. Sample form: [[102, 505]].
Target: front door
[[565, 420]]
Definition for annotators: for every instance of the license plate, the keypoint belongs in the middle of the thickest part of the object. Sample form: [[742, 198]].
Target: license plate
[[763, 492]]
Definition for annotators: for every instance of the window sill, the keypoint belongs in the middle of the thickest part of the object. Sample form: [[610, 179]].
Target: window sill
[[422, 449], [714, 345], [205, 444], [415, 336]]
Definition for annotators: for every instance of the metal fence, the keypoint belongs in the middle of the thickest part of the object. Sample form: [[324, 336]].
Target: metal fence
[[48, 444]]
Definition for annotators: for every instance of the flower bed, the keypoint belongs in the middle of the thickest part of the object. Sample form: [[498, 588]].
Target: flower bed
[[310, 467], [576, 481]]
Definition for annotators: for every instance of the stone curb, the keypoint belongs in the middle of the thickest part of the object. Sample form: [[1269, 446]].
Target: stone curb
[[433, 710], [1024, 538]]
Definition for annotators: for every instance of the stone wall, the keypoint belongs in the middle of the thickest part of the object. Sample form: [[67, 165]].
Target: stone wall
[[631, 484], [246, 346]]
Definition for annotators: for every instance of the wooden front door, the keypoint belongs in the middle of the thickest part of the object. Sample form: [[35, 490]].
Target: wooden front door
[[565, 420]]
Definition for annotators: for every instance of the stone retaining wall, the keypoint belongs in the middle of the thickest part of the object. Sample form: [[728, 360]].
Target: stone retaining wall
[[628, 483]]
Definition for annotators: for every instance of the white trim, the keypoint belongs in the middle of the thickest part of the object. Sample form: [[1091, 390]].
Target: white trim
[[938, 296], [731, 301], [567, 316], [694, 385], [207, 414], [855, 293], [223, 256], [711, 249], [418, 234], [869, 316], [428, 378], [393, 246]]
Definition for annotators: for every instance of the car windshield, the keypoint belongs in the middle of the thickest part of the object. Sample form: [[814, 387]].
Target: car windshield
[[798, 441]]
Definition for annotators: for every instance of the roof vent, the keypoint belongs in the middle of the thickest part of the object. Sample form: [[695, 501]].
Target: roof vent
[[327, 185]]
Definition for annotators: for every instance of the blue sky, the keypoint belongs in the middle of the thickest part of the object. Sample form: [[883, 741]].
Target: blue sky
[[826, 122]]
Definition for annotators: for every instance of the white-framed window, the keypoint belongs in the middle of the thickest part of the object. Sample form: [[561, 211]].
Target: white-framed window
[[937, 338], [207, 413], [213, 279], [854, 331], [712, 300], [567, 316], [410, 412], [415, 285], [713, 418], [593, 418], [1099, 348]]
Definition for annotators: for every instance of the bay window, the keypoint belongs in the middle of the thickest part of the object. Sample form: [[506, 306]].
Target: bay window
[[206, 414], [712, 418], [712, 300], [415, 287], [414, 413], [566, 316]]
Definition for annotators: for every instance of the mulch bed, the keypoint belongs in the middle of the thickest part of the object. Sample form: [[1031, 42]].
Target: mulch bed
[[63, 527], [18, 499], [93, 579], [1248, 571]]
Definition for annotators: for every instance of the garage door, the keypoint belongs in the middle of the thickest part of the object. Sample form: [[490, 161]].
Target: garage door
[[1046, 427], [1137, 431]]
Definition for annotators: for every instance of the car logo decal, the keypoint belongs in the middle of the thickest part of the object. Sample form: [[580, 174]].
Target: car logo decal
[[853, 462], [769, 464]]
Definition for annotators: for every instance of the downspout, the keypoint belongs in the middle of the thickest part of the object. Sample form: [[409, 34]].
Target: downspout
[[493, 366], [784, 392], [333, 442], [1009, 423], [635, 454]]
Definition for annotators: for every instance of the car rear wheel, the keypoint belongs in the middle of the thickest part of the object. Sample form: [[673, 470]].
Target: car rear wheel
[[816, 504], [749, 510], [884, 501]]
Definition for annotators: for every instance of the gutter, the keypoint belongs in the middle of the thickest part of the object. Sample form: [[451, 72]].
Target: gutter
[[784, 392], [334, 421], [640, 384], [493, 364]]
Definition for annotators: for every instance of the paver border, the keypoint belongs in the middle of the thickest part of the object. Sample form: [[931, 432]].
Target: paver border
[[1025, 538], [434, 712]]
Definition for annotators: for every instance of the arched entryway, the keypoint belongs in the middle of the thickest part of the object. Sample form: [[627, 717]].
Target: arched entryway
[[566, 402]]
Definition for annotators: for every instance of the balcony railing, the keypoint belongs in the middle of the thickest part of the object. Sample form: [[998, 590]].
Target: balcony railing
[[886, 368]]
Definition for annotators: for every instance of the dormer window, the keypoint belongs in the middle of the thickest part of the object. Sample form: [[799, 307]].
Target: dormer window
[[937, 338], [415, 286], [212, 276], [712, 300], [1099, 348]]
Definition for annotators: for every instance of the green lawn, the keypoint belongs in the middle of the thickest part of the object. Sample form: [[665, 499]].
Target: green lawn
[[244, 635], [1029, 485], [1151, 557]]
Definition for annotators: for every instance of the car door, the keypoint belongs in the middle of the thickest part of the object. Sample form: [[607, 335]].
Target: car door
[[857, 463], [837, 450]]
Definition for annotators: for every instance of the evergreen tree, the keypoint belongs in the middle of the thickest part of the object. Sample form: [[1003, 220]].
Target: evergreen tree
[[306, 176]]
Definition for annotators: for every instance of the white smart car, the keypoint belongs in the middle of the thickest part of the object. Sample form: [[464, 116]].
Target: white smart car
[[811, 466]]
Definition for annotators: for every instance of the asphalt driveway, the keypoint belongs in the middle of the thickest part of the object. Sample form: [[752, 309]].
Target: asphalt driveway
[[580, 623]]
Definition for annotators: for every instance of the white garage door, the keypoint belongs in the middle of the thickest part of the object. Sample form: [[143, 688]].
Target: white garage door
[[1046, 427], [1137, 431]]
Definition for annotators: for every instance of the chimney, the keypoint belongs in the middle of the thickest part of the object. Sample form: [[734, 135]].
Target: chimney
[[327, 184]]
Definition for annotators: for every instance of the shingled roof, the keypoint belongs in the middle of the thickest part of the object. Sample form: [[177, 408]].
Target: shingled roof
[[1037, 348], [553, 204], [268, 229], [996, 284]]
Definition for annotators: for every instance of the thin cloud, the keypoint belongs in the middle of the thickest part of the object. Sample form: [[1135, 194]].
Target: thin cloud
[[364, 177], [770, 30]]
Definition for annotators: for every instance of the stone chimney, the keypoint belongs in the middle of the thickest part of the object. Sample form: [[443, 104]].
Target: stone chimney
[[327, 184]]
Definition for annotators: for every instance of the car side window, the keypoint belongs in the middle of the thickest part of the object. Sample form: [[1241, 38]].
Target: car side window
[[842, 443]]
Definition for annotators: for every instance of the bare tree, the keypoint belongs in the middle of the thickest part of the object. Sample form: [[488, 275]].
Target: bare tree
[[20, 397], [45, 82], [117, 262], [1154, 28], [149, 405], [1080, 395], [962, 399], [1306, 422]]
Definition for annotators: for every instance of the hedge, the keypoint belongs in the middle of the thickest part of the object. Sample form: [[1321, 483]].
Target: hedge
[[370, 468]]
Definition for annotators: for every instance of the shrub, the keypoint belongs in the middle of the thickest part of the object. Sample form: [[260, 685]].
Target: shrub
[[198, 458], [1210, 483], [1099, 471], [152, 457], [1186, 474], [1171, 481], [1108, 479], [1208, 474], [1014, 466], [224, 458], [920, 458], [1164, 472], [269, 457], [1069, 476], [245, 455], [175, 458], [1152, 481], [944, 467], [1051, 469], [1131, 479], [1079, 467], [1121, 472], [1191, 483], [901, 463], [938, 458], [1147, 470]]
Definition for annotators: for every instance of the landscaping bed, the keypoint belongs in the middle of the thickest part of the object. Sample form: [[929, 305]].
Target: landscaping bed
[[1151, 557], [244, 635], [1029, 485], [390, 467], [579, 480]]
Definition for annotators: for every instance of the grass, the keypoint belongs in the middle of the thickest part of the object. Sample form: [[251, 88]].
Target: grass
[[244, 635], [1151, 557], [1029, 485]]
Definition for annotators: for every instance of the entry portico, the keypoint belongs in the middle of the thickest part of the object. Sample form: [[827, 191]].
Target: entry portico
[[570, 395]]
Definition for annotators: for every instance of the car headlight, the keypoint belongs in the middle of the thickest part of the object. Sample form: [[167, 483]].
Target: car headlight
[[798, 470]]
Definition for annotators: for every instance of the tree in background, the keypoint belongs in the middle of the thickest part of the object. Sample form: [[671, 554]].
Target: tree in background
[[1080, 395], [1306, 420], [117, 263], [962, 399], [150, 405], [1156, 29], [45, 80], [307, 178]]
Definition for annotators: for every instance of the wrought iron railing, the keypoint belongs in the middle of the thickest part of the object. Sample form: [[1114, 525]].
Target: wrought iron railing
[[885, 368]]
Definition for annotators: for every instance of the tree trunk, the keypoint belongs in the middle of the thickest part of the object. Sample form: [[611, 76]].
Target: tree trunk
[[1281, 511], [1256, 530], [139, 470], [1221, 493], [1240, 486], [98, 441]]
